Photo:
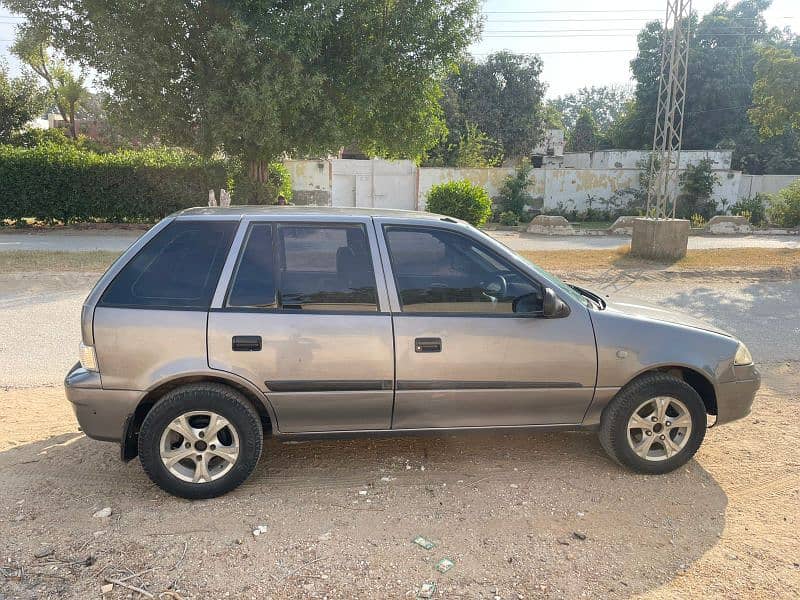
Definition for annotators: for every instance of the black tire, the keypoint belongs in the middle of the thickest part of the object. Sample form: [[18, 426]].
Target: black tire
[[615, 417], [223, 401]]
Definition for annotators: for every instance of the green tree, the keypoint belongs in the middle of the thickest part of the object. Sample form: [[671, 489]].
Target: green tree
[[476, 149], [259, 79], [502, 96], [583, 137], [776, 92], [21, 100], [605, 103], [723, 52], [67, 90]]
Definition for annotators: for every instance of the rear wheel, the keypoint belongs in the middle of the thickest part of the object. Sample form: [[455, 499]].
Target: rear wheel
[[654, 424], [200, 441]]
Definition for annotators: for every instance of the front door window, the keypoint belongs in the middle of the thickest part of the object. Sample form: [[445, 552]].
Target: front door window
[[440, 271]]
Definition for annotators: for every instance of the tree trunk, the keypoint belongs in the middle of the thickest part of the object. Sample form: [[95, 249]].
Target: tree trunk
[[259, 170], [72, 125]]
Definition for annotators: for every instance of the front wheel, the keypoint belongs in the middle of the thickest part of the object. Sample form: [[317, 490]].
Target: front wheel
[[654, 424], [200, 441]]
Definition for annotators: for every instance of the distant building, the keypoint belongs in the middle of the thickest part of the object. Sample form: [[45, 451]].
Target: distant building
[[88, 127]]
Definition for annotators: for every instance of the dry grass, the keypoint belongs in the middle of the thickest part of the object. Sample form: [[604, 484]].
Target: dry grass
[[721, 259], [21, 261]]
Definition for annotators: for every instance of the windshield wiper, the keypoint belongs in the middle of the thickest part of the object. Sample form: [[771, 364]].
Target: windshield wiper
[[590, 295]]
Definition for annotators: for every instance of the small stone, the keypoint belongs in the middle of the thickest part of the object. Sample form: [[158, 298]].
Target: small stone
[[362, 492], [578, 535], [259, 529], [324, 537], [103, 513], [514, 486], [107, 588], [42, 552]]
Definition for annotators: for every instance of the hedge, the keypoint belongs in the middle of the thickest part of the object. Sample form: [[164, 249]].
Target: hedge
[[59, 182]]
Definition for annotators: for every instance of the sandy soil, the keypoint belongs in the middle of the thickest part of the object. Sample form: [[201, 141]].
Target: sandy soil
[[505, 508]]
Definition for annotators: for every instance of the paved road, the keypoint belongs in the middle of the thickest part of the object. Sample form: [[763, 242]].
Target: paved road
[[40, 329], [119, 240], [526, 241], [68, 241]]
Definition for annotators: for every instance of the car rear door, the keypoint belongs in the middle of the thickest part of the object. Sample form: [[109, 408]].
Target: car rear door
[[302, 313], [463, 357]]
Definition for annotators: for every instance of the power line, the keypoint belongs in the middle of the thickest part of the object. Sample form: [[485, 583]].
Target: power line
[[541, 12]]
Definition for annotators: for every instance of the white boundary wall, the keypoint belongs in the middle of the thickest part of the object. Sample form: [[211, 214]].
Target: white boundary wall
[[401, 184]]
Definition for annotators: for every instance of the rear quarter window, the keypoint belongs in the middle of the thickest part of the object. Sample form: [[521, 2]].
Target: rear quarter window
[[178, 268]]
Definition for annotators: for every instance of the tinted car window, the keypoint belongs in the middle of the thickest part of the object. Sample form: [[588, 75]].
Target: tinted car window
[[312, 267], [325, 267], [441, 272], [254, 279], [178, 268]]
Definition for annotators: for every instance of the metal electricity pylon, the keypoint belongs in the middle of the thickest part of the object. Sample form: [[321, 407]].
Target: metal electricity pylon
[[665, 159]]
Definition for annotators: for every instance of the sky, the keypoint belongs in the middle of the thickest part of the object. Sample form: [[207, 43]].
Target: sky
[[581, 42]]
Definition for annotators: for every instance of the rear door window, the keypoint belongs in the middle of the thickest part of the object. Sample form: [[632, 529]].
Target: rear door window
[[324, 267], [178, 268]]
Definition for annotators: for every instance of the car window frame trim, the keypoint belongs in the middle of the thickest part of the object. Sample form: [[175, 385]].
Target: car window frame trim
[[219, 301]]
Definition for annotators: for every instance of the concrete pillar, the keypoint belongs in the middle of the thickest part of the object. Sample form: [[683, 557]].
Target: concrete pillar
[[662, 239]]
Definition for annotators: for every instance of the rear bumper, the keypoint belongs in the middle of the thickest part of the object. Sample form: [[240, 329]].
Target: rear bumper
[[735, 398], [100, 413]]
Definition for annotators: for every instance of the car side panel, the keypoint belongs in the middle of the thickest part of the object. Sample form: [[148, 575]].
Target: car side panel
[[137, 348]]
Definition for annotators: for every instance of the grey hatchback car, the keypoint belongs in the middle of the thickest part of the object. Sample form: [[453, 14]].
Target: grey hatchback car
[[221, 324]]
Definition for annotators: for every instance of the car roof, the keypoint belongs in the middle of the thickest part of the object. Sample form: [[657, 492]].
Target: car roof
[[273, 210]]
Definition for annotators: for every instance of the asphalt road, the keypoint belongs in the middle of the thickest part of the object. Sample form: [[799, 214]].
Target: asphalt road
[[119, 240], [40, 329]]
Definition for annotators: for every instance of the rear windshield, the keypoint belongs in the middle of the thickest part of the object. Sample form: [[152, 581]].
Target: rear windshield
[[178, 268]]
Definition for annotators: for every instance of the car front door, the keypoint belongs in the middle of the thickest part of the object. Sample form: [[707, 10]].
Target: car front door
[[464, 358], [305, 318]]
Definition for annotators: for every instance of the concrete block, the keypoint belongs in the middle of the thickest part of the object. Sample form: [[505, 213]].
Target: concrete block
[[664, 239], [551, 225], [622, 226], [722, 224]]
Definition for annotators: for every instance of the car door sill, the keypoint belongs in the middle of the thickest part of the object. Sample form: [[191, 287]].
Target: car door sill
[[428, 430]]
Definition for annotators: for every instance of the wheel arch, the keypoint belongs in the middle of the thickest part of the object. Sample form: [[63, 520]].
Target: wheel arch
[[699, 381], [129, 445]]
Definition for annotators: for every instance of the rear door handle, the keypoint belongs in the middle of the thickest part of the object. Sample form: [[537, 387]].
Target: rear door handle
[[246, 343], [428, 345]]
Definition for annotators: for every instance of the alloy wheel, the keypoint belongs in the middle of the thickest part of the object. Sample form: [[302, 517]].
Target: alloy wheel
[[659, 428], [199, 446]]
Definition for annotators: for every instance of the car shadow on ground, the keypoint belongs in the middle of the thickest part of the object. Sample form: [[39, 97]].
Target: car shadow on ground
[[545, 514]]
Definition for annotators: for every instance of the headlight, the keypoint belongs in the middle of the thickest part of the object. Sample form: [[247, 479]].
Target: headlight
[[88, 358], [743, 356]]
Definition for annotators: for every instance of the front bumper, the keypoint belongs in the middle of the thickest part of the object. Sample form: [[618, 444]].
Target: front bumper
[[735, 398], [101, 413]]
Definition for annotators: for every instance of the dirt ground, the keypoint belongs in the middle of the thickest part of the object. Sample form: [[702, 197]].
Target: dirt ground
[[511, 510]]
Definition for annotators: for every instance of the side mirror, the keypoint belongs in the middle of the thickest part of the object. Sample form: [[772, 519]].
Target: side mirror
[[552, 306]]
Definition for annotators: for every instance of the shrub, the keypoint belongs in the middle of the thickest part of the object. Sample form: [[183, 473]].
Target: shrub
[[462, 200], [697, 185], [60, 182], [698, 221], [509, 218], [514, 194], [784, 209], [755, 207], [246, 191]]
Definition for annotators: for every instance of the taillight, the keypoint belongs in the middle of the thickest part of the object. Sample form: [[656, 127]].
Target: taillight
[[88, 357]]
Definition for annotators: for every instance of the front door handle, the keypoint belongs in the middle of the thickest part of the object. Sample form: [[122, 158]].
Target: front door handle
[[246, 343], [428, 345]]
